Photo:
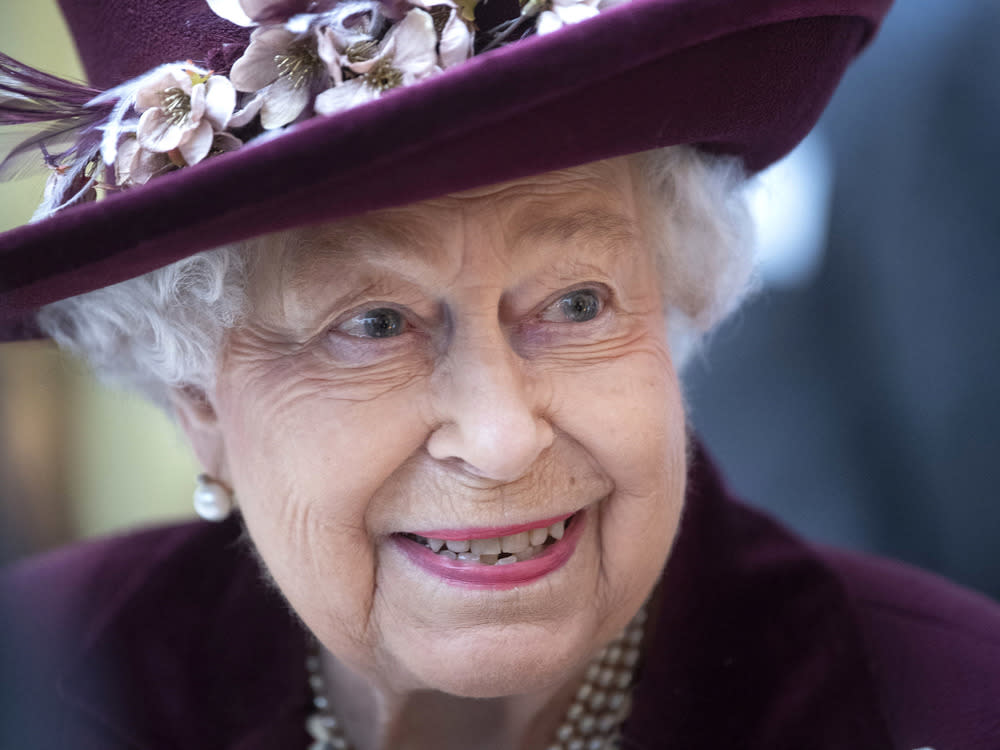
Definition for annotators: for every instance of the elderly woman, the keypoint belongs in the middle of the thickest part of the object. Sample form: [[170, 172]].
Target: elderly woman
[[425, 344]]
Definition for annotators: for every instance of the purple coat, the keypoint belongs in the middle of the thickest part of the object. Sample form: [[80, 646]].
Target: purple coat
[[168, 639]]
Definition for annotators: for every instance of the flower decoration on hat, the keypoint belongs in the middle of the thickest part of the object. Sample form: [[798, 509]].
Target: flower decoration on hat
[[304, 58], [454, 34], [407, 54], [285, 72], [181, 110], [560, 13]]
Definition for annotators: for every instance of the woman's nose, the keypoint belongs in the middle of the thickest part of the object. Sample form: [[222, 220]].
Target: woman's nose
[[489, 411]]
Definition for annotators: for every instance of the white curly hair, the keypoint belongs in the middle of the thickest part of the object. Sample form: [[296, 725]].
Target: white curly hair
[[165, 329]]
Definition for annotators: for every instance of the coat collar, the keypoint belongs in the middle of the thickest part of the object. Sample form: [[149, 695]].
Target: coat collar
[[195, 652], [754, 646]]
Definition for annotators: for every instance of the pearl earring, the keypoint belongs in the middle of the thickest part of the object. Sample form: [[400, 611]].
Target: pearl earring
[[212, 500]]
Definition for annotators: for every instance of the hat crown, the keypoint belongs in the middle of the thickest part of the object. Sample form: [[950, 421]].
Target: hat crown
[[121, 39], [747, 78]]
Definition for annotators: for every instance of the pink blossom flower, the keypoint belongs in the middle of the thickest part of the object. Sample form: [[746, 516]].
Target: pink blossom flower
[[136, 165], [352, 22], [407, 54], [285, 69], [183, 107]]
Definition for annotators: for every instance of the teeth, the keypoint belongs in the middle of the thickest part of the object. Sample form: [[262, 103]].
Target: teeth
[[515, 542], [485, 546], [515, 547], [537, 537], [530, 553]]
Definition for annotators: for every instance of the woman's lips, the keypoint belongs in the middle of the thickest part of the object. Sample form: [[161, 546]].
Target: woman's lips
[[496, 576]]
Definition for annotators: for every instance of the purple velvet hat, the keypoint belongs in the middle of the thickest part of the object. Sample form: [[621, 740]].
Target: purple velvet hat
[[744, 77]]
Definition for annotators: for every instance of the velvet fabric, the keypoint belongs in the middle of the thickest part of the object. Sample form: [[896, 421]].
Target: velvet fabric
[[748, 78], [757, 641]]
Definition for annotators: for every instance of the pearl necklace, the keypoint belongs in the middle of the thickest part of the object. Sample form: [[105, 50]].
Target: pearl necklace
[[592, 721]]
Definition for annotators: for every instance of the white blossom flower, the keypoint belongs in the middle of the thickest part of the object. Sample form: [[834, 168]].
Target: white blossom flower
[[231, 10], [284, 69], [183, 107], [349, 33], [136, 165], [351, 22], [264, 12], [407, 54], [564, 12], [454, 35]]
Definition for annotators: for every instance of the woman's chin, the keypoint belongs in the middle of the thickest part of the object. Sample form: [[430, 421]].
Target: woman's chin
[[494, 657], [486, 642], [494, 670]]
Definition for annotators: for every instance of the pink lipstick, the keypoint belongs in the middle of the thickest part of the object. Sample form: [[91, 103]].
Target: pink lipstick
[[499, 575]]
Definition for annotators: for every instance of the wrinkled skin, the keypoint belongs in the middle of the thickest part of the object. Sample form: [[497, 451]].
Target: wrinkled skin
[[487, 406]]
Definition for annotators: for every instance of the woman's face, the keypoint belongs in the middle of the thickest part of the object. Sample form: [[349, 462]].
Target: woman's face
[[466, 368]]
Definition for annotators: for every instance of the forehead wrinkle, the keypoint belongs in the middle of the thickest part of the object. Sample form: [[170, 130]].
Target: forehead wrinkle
[[392, 239], [558, 209], [594, 228]]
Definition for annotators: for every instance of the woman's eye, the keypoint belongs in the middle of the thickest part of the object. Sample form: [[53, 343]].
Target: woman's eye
[[578, 306], [379, 323]]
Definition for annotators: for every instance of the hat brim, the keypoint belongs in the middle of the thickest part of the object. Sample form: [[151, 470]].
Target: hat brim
[[748, 78]]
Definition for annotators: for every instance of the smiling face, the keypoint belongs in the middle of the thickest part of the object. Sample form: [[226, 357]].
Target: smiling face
[[463, 369]]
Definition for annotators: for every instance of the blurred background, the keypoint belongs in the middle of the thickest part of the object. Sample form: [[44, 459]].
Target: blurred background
[[856, 397], [76, 459]]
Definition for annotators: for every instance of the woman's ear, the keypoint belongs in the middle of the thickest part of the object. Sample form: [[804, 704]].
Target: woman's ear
[[198, 418]]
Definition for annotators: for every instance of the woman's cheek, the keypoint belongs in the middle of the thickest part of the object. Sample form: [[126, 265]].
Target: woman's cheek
[[627, 412]]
